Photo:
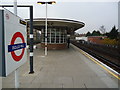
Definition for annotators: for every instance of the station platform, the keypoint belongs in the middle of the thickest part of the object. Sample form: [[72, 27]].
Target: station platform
[[68, 68]]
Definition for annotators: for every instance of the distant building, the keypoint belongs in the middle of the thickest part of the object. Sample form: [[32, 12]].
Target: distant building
[[82, 35], [82, 38], [96, 39]]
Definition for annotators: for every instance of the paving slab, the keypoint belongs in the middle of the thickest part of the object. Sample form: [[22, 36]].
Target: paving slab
[[66, 68]]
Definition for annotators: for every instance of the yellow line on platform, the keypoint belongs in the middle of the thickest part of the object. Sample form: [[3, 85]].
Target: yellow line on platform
[[100, 65]]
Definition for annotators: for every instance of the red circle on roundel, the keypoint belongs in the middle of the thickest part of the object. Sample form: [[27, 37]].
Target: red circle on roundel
[[15, 57]]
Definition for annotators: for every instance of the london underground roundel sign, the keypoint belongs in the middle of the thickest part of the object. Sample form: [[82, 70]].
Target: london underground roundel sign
[[13, 47], [13, 36]]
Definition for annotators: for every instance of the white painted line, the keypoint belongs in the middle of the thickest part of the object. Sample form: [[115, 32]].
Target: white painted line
[[27, 46], [42, 56], [31, 35], [34, 46], [104, 66], [102, 63], [45, 51], [31, 54]]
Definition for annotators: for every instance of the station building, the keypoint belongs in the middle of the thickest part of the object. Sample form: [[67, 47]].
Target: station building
[[58, 30]]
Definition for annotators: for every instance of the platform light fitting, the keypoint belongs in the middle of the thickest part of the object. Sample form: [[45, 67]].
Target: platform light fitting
[[50, 2]]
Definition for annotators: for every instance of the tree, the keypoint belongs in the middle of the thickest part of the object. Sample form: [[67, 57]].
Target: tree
[[96, 33], [88, 34], [113, 33], [102, 29], [109, 41]]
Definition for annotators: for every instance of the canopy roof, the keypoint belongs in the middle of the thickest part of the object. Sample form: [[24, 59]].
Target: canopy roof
[[65, 23]]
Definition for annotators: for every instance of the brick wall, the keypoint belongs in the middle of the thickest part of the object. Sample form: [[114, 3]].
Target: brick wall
[[55, 46], [96, 39]]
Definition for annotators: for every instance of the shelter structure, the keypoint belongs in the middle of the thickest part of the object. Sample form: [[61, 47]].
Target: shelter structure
[[58, 30]]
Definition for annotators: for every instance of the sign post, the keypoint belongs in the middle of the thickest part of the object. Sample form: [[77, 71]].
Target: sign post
[[31, 41], [15, 7], [16, 71]]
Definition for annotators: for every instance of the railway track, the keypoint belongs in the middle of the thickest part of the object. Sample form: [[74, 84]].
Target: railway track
[[101, 55]]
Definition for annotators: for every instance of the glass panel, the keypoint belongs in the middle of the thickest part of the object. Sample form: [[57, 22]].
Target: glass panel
[[48, 30], [57, 32], [57, 39], [60, 36], [43, 39], [54, 35], [48, 39], [52, 40], [48, 34], [61, 40]]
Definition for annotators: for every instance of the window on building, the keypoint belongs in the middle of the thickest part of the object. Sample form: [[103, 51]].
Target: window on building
[[54, 35]]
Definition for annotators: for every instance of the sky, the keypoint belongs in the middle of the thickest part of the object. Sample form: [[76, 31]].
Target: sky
[[94, 13]]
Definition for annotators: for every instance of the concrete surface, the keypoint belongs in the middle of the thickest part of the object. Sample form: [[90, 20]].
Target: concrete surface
[[0, 83], [62, 69]]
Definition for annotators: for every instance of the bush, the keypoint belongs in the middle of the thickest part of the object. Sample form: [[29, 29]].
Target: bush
[[110, 41]]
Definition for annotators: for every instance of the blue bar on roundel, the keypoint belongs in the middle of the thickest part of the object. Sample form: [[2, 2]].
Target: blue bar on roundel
[[16, 47]]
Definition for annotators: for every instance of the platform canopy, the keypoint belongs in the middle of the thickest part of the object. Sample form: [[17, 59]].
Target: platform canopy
[[66, 24]]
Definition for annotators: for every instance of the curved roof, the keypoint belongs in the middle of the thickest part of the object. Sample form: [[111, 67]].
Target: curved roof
[[52, 22]]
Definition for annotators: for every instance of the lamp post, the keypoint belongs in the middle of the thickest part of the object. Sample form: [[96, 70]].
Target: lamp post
[[15, 7], [16, 71], [51, 2]]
